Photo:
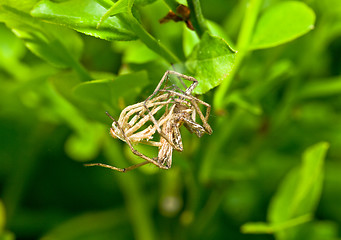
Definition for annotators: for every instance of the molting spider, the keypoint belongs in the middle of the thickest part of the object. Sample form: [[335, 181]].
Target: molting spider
[[180, 108]]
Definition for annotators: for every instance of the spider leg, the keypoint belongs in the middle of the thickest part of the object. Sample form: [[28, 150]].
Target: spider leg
[[157, 125], [203, 119], [147, 117], [166, 149], [194, 127], [148, 160], [194, 101], [157, 89], [188, 78], [151, 143], [137, 153], [165, 154], [139, 109], [116, 168]]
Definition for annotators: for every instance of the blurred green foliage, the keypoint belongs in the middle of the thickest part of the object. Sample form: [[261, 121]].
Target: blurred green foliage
[[270, 170]]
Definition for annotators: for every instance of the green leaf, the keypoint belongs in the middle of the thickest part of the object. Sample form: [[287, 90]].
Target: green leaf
[[109, 90], [329, 7], [296, 198], [58, 46], [300, 191], [210, 62], [261, 228], [189, 41], [190, 38], [242, 101], [155, 69], [83, 16], [22, 5], [65, 82], [85, 145], [135, 52], [256, 228], [319, 230], [321, 88], [143, 2], [88, 225], [10, 46], [281, 23], [121, 6]]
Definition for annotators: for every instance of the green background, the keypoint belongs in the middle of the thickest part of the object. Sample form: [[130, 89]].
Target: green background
[[270, 69]]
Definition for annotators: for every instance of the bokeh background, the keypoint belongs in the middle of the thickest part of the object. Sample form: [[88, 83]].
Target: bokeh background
[[284, 110]]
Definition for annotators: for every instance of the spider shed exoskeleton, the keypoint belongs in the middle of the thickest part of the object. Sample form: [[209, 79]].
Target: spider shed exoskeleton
[[138, 123]]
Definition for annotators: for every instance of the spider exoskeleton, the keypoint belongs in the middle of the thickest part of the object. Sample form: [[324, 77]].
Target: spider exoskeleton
[[180, 108]]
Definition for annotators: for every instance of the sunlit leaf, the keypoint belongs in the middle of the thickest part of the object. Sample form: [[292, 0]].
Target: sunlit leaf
[[22, 5], [83, 16], [281, 23], [144, 2], [121, 6], [190, 39], [257, 227], [210, 62], [266, 228]]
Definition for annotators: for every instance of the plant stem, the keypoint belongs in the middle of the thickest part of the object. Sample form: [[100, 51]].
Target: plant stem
[[135, 201], [244, 39], [172, 4], [197, 18], [105, 3], [149, 40], [143, 35]]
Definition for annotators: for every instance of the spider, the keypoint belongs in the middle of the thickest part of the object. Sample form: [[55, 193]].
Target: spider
[[181, 108]]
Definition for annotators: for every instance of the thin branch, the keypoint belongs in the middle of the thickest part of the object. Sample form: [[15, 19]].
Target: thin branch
[[197, 17]]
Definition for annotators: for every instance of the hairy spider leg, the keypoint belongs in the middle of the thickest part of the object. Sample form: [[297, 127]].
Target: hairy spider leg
[[187, 95], [189, 89], [138, 107], [131, 126], [137, 153], [173, 140], [147, 117], [116, 168], [172, 129], [157, 89], [194, 127], [193, 101], [166, 149]]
